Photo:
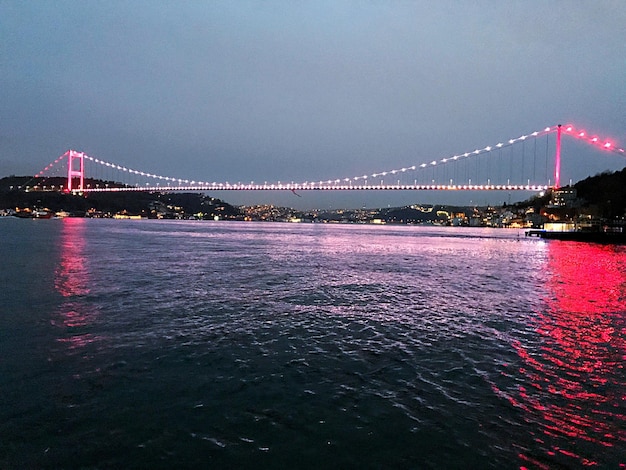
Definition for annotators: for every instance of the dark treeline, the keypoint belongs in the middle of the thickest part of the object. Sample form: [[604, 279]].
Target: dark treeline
[[27, 192], [604, 194]]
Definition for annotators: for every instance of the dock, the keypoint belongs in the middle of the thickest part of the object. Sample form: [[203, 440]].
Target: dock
[[614, 237]]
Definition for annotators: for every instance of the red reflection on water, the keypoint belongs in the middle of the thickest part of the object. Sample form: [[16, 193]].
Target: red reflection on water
[[72, 280], [71, 275], [575, 374]]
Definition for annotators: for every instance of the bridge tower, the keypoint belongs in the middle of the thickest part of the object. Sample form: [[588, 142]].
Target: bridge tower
[[73, 170], [557, 159]]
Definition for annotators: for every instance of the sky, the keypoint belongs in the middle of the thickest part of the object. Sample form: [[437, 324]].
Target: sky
[[305, 90]]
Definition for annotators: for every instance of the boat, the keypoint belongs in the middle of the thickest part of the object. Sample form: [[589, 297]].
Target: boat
[[33, 214], [23, 214], [42, 214]]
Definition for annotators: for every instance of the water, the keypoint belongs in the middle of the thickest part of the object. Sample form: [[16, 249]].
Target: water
[[148, 344]]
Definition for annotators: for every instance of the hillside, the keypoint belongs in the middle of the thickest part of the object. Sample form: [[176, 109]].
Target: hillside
[[604, 194], [149, 204]]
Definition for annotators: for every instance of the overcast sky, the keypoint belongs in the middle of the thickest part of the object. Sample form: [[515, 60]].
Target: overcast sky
[[297, 90]]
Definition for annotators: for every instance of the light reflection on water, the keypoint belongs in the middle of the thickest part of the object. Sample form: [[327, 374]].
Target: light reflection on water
[[278, 344], [72, 281], [574, 378]]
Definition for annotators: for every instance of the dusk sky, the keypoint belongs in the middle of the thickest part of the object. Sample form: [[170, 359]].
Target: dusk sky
[[295, 91]]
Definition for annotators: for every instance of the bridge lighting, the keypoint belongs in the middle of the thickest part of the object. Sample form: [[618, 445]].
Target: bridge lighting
[[360, 181]]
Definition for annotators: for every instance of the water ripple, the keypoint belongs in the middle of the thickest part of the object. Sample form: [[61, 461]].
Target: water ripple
[[254, 345]]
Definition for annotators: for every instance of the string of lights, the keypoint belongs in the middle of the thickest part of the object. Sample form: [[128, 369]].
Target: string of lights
[[50, 166], [592, 139], [355, 182], [341, 181], [455, 158]]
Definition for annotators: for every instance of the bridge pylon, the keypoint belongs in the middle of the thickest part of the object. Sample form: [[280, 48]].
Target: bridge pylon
[[557, 159], [75, 171]]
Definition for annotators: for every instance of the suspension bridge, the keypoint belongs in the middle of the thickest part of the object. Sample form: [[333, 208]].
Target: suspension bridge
[[530, 162]]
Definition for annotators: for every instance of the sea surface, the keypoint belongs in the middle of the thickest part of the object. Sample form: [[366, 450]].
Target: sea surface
[[193, 344]]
